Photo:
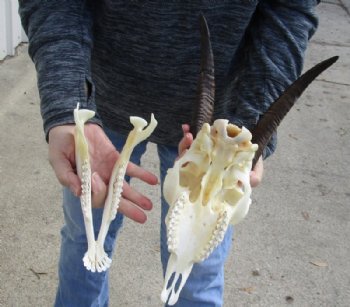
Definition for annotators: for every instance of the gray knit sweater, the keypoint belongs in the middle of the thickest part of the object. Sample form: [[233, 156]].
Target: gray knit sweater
[[141, 57]]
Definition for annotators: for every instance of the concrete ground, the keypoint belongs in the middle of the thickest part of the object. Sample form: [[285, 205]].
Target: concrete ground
[[292, 249]]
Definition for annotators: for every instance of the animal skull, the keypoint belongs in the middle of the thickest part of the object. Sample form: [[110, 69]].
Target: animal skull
[[207, 189]]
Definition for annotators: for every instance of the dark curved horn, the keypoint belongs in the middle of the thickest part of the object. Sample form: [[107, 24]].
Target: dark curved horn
[[204, 105], [278, 110]]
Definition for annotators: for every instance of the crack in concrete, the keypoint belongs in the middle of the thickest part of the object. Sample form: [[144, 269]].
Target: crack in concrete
[[333, 82], [316, 42], [341, 4], [344, 7], [330, 2]]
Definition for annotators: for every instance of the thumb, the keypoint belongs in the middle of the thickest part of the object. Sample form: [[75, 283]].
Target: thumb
[[66, 174], [186, 140], [99, 191]]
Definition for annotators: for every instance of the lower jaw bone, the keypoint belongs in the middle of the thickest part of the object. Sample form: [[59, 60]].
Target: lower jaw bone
[[96, 259], [198, 219], [84, 173]]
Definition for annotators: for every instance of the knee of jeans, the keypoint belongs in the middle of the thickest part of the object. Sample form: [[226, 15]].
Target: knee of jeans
[[74, 227], [205, 284]]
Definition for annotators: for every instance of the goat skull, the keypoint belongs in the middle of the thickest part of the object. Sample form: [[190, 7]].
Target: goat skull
[[208, 189]]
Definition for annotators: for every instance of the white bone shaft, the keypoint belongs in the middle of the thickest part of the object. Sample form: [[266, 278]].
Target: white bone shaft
[[115, 188], [84, 173]]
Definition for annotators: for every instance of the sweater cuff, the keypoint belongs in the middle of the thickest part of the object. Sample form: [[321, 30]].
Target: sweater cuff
[[65, 118]]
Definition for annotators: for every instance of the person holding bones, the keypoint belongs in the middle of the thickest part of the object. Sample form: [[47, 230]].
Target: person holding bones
[[123, 58]]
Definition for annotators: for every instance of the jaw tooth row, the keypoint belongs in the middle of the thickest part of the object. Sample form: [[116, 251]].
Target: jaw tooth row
[[216, 237], [85, 185], [118, 187], [174, 215]]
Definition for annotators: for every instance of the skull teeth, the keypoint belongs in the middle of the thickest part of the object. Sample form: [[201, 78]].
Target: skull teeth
[[174, 216], [85, 184], [216, 237], [204, 197], [118, 185]]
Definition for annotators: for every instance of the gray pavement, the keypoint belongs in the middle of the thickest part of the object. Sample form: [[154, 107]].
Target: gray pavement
[[292, 249]]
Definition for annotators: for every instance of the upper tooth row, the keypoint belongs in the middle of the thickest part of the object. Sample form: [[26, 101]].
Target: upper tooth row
[[173, 222], [216, 237]]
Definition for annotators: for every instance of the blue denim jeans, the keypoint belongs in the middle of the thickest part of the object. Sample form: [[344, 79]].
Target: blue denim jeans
[[80, 287]]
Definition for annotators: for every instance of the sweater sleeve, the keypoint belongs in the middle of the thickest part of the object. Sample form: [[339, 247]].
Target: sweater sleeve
[[269, 59], [60, 40]]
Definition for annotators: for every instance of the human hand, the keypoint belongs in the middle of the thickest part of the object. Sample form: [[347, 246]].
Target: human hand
[[255, 175], [103, 156], [186, 140]]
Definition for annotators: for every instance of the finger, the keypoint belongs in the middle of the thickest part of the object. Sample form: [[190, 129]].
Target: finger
[[185, 143], [186, 140], [66, 174], [185, 128], [257, 173], [131, 211], [99, 191], [136, 171], [136, 197]]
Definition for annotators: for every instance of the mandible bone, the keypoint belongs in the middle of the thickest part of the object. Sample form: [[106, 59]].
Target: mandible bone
[[96, 259], [84, 172], [115, 188]]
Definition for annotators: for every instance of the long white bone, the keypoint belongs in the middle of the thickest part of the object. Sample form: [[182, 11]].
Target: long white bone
[[207, 189], [96, 259], [115, 188], [84, 173]]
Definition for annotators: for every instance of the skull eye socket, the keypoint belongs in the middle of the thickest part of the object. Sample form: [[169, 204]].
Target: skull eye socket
[[191, 177]]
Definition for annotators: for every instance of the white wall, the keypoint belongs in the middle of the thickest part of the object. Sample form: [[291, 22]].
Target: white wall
[[11, 32]]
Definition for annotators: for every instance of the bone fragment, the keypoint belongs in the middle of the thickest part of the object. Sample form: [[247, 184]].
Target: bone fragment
[[115, 189]]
